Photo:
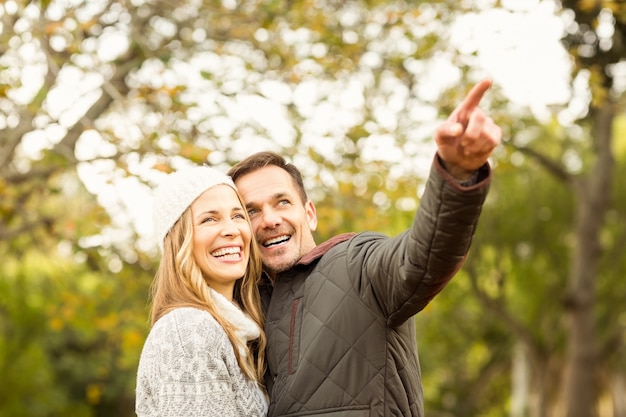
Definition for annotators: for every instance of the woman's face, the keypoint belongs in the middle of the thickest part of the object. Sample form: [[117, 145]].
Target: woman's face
[[221, 238]]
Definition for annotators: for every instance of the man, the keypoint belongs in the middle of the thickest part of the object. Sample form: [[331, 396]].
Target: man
[[340, 330]]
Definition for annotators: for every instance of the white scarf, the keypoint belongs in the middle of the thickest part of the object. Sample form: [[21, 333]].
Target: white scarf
[[247, 329]]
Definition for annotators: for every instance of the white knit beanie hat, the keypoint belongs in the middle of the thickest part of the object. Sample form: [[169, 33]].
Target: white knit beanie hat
[[176, 193]]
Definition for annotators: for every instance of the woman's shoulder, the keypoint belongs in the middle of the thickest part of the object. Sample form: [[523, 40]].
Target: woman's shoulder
[[187, 316], [189, 328]]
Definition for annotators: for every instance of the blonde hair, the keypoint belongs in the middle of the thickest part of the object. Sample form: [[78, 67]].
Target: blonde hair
[[179, 283]]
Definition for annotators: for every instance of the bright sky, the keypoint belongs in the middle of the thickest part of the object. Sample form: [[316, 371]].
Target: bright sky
[[521, 50]]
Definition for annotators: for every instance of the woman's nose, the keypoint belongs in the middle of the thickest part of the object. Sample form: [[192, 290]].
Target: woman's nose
[[230, 229]]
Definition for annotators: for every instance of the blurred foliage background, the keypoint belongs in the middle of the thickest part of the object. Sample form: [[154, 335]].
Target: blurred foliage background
[[98, 98]]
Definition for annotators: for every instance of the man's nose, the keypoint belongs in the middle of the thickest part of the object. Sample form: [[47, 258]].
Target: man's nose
[[269, 218]]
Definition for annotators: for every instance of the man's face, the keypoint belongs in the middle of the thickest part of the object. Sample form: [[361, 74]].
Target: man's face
[[283, 225]]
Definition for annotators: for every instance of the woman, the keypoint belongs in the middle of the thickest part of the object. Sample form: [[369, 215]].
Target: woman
[[204, 355]]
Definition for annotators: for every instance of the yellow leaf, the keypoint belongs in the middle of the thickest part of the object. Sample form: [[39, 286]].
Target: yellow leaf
[[589, 5], [93, 393], [56, 324]]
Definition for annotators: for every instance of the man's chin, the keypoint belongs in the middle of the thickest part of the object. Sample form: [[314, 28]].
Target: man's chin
[[276, 266]]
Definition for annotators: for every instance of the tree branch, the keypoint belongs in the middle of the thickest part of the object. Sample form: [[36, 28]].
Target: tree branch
[[112, 90], [550, 165], [522, 332]]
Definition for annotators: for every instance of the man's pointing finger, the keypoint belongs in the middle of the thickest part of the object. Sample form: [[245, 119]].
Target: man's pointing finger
[[472, 100]]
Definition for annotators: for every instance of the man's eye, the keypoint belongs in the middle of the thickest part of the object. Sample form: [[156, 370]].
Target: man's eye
[[252, 212], [284, 202]]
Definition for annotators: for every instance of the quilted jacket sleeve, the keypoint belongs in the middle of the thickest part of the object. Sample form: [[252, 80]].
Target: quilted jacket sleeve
[[402, 274]]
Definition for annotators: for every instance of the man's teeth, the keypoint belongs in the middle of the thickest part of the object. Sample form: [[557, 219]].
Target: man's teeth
[[228, 253], [276, 240]]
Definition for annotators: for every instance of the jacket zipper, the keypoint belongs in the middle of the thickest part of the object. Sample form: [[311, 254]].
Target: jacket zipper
[[294, 313]]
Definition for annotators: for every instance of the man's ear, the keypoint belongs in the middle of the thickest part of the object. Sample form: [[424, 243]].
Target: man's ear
[[311, 215]]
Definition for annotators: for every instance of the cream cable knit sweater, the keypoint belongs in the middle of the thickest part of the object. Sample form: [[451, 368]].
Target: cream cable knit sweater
[[188, 368]]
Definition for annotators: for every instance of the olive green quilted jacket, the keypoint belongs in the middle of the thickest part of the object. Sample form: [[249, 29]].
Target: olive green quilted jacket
[[341, 335]]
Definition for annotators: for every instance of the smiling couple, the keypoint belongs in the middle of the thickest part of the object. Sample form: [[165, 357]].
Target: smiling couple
[[250, 317]]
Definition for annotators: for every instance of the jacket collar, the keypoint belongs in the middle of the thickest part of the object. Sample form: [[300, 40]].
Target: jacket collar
[[313, 255], [320, 250]]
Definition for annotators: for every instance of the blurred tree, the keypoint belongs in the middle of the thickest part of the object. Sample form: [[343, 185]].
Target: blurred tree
[[106, 90], [556, 276], [596, 39], [72, 319], [114, 86], [118, 89]]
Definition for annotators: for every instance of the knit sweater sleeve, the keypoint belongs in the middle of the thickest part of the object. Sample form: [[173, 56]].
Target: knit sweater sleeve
[[184, 369]]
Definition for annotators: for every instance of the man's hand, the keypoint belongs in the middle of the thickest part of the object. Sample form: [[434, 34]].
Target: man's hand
[[468, 137]]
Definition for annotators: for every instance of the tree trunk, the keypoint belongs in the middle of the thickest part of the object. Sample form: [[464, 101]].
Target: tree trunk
[[618, 391], [520, 381], [593, 199], [543, 382]]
